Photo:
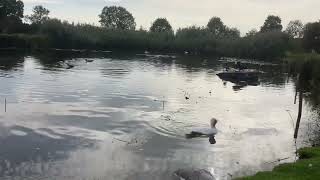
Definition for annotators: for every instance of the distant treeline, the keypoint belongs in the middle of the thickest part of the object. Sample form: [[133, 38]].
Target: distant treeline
[[118, 31]]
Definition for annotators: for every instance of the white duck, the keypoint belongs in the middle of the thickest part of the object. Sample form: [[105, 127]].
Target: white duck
[[207, 132]]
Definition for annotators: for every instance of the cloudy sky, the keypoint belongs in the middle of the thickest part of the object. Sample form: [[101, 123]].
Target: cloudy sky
[[243, 14]]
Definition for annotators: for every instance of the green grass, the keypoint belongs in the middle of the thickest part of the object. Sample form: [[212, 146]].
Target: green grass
[[307, 168]]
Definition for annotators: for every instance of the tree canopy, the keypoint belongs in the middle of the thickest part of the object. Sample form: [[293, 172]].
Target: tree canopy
[[39, 16], [115, 17], [216, 26], [161, 25], [232, 33], [11, 12], [252, 32], [295, 29], [311, 38], [272, 23], [11, 8]]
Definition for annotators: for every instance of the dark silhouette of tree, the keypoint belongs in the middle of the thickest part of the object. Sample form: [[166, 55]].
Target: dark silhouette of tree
[[232, 33], [295, 29], [11, 8], [39, 16], [142, 29], [216, 26], [272, 23], [311, 38], [115, 17], [252, 32], [161, 25], [11, 12]]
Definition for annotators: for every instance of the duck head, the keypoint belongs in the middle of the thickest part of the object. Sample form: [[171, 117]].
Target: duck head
[[213, 122]]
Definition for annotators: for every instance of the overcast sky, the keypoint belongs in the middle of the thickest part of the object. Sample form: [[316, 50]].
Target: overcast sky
[[243, 14]]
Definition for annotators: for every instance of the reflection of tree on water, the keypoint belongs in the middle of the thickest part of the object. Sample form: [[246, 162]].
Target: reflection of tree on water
[[306, 88], [11, 61], [313, 126]]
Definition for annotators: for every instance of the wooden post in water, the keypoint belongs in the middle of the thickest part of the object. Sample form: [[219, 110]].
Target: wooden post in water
[[298, 85], [295, 97], [5, 104], [299, 113]]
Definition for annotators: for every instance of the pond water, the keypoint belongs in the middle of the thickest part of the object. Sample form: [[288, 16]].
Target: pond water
[[125, 116]]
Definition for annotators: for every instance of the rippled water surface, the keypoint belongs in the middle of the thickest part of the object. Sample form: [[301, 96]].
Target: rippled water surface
[[126, 116]]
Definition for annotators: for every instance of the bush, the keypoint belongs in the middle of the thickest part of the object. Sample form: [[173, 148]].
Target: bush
[[23, 41]]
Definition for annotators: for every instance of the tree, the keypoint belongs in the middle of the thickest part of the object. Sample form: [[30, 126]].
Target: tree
[[11, 8], [311, 38], [11, 12], [232, 33], [295, 29], [272, 23], [216, 26], [39, 16], [252, 32], [115, 17], [161, 25]]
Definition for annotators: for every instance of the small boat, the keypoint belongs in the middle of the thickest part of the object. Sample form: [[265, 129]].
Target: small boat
[[239, 75], [89, 60]]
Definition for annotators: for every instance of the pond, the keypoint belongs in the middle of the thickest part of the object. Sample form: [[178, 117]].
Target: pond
[[125, 116]]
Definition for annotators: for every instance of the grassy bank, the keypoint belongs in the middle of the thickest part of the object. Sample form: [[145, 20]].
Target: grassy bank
[[308, 167]]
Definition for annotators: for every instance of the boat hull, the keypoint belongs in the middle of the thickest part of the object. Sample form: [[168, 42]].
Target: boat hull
[[238, 76]]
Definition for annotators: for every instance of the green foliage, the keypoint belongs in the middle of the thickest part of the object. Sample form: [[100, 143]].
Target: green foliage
[[307, 64], [12, 25], [271, 44], [115, 17], [161, 25], [217, 29], [216, 26], [23, 41], [311, 39], [307, 168], [264, 45], [272, 23], [11, 8], [295, 29], [39, 16], [192, 39], [252, 32], [232, 33], [11, 12], [118, 32], [195, 40]]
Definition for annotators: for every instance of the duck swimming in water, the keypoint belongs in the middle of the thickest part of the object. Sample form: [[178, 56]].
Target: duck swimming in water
[[205, 132]]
